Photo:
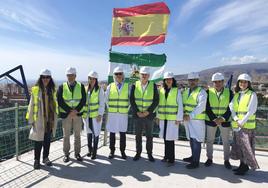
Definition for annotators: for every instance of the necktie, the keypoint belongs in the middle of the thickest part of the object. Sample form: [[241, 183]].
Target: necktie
[[119, 85]]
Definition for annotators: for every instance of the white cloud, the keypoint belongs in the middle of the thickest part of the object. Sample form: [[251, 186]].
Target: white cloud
[[240, 16], [189, 8], [243, 59], [35, 59], [250, 42], [23, 16]]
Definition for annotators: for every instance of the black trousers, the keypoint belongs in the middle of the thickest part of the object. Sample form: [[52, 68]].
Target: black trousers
[[122, 141], [92, 136], [147, 124], [45, 144], [169, 146]]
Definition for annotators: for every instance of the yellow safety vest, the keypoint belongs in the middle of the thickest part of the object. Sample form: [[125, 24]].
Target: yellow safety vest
[[190, 102], [118, 103], [241, 109], [144, 99], [168, 108], [92, 105], [218, 104], [35, 96], [72, 99]]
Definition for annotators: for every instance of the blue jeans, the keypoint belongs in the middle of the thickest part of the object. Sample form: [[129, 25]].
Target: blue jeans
[[196, 149]]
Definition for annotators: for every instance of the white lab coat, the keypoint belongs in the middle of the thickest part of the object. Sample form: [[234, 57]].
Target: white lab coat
[[172, 132], [116, 122], [252, 107], [96, 125], [197, 128]]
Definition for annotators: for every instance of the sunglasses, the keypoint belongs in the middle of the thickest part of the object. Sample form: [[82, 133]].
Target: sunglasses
[[118, 74], [45, 77]]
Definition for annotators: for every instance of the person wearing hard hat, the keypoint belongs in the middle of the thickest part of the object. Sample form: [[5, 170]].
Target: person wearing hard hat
[[42, 116], [194, 102], [243, 108], [144, 99], [169, 115], [117, 101], [93, 113], [218, 116], [71, 99]]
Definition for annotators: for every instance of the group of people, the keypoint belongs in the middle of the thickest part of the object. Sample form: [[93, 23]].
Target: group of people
[[201, 111]]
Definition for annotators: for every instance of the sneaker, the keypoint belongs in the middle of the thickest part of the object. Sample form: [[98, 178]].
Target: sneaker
[[36, 164], [227, 164], [78, 157], [66, 158], [169, 164], [111, 155], [208, 162], [192, 165], [188, 159], [137, 157], [47, 162], [151, 158], [89, 153], [123, 155]]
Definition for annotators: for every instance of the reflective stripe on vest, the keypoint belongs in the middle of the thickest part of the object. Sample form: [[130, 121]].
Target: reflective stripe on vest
[[190, 102], [168, 108], [241, 109], [144, 99], [72, 99], [118, 103], [35, 96], [92, 105], [218, 104]]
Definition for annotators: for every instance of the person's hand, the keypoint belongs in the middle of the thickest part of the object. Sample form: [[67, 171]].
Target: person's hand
[[157, 120], [217, 121], [186, 117], [177, 122], [140, 114], [146, 113], [98, 118]]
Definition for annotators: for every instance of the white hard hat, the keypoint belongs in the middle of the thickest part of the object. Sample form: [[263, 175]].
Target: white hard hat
[[193, 75], [244, 77], [145, 70], [217, 77], [70, 70], [93, 74], [118, 70], [168, 75], [45, 72]]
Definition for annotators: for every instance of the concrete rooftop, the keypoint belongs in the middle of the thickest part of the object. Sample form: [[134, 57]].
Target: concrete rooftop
[[103, 172]]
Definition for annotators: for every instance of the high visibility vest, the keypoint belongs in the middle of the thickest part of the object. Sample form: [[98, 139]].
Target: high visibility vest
[[72, 99], [168, 108], [190, 102], [144, 99], [241, 109], [92, 104], [35, 97], [118, 103], [218, 104]]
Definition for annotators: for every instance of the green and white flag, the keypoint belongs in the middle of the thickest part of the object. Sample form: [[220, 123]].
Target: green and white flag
[[131, 64]]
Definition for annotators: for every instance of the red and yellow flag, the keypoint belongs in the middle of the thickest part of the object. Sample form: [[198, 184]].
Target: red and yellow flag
[[142, 25]]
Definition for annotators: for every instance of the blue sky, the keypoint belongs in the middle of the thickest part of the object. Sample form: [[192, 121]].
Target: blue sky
[[56, 34]]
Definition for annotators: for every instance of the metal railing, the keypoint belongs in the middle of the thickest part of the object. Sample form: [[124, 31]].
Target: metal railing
[[14, 131]]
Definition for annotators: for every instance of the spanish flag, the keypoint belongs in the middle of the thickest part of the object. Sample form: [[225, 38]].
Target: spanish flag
[[142, 25]]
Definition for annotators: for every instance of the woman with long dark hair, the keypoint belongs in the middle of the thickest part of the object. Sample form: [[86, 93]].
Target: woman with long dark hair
[[42, 116], [94, 110], [170, 113], [243, 107]]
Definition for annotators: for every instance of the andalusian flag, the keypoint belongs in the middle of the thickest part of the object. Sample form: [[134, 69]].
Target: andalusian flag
[[131, 64], [142, 25]]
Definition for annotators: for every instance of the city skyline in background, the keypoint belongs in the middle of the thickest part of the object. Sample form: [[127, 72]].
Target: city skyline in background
[[201, 35]]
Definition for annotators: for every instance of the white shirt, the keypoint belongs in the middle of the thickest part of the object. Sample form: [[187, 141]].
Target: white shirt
[[144, 86], [252, 107]]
